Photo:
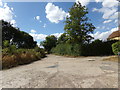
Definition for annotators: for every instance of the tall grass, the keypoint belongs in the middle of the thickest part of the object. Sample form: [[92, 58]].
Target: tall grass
[[20, 57]]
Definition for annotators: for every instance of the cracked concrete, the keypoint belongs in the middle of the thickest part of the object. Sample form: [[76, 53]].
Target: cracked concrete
[[62, 72]]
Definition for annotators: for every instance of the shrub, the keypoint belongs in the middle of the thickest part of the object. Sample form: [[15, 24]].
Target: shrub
[[6, 43], [116, 47], [9, 61], [67, 49], [41, 51], [96, 48], [20, 57]]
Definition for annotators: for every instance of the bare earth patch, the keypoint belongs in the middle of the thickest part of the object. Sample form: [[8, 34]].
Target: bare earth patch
[[62, 72]]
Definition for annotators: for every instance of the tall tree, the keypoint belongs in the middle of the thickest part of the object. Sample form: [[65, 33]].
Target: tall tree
[[62, 39], [16, 37], [77, 25], [49, 43]]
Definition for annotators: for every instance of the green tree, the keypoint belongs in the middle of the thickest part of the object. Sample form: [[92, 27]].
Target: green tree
[[49, 43], [77, 26], [6, 44], [16, 37], [62, 39]]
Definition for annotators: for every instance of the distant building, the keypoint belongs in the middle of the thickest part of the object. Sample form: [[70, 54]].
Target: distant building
[[114, 36]]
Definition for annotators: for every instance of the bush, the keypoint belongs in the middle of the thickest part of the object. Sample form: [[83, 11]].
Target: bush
[[9, 61], [41, 51], [116, 47], [20, 56], [96, 48], [67, 49]]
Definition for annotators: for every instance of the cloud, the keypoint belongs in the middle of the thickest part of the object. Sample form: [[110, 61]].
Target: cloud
[[107, 12], [109, 9], [37, 17], [33, 31], [44, 25], [107, 21], [6, 13], [109, 3], [54, 14], [38, 36], [57, 34], [1, 4], [13, 22], [103, 35]]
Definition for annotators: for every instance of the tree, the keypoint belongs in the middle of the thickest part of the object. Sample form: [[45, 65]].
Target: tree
[[6, 44], [62, 39], [16, 37], [77, 26], [49, 43]]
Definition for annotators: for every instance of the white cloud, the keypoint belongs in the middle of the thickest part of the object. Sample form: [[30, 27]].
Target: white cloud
[[107, 21], [103, 35], [38, 36], [54, 13], [107, 12], [116, 21], [94, 9], [1, 4], [98, 1], [57, 34], [37, 17], [13, 22], [44, 25], [98, 27], [33, 31], [6, 13], [109, 3], [109, 9]]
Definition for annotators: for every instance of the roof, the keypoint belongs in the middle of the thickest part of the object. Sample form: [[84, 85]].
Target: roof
[[114, 34]]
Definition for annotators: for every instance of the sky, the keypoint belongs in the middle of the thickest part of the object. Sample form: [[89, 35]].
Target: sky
[[41, 19]]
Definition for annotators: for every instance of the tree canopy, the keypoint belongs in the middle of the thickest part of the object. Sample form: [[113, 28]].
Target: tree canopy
[[49, 43], [77, 25], [16, 37]]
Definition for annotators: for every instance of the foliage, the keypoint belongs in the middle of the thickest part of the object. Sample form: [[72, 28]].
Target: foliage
[[77, 32], [49, 43], [77, 26], [62, 39], [40, 50], [6, 43], [96, 48], [67, 49], [20, 56], [116, 47], [16, 37]]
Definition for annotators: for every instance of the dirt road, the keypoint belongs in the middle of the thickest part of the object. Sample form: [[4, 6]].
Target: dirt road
[[62, 72]]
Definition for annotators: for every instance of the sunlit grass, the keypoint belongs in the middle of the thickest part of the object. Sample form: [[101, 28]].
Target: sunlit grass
[[112, 58]]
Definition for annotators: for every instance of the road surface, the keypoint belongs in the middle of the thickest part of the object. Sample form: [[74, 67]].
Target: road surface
[[62, 72]]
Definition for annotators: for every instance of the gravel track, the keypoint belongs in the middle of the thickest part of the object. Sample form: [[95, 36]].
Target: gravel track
[[62, 72]]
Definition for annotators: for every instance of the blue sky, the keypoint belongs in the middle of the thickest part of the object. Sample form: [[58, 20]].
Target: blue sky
[[40, 19]]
